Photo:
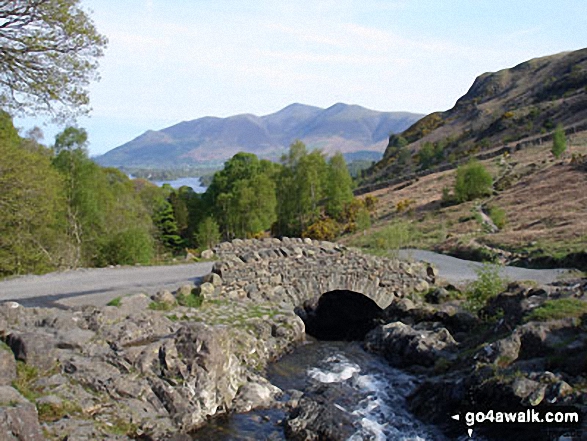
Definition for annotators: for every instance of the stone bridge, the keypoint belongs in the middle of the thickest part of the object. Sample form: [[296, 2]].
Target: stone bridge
[[340, 294], [298, 270]]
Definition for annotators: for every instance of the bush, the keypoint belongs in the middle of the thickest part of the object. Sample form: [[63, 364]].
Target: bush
[[324, 229], [559, 141], [488, 284], [498, 216], [472, 181], [129, 247]]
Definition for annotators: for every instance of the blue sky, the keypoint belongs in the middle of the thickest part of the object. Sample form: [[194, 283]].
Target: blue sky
[[171, 61]]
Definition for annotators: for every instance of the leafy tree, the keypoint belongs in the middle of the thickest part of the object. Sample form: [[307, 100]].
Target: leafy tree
[[102, 206], [301, 186], [472, 181], [48, 53], [31, 206], [242, 196], [339, 190], [208, 233], [559, 141]]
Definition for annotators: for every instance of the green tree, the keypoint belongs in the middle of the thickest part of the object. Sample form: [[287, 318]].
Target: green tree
[[242, 196], [472, 181], [301, 187], [48, 54], [208, 233], [102, 206], [339, 188], [559, 141], [31, 206]]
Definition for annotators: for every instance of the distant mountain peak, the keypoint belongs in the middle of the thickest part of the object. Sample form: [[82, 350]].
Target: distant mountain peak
[[213, 140]]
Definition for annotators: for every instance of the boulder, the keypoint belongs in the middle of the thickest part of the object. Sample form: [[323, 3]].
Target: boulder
[[313, 419], [7, 366], [164, 296], [406, 346], [18, 417], [34, 348], [207, 254], [214, 279]]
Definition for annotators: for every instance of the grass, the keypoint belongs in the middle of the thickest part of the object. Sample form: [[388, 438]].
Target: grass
[[191, 301], [26, 376], [49, 413], [115, 302], [161, 306], [559, 309]]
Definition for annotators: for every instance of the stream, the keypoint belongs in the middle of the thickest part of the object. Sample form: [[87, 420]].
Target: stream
[[363, 384]]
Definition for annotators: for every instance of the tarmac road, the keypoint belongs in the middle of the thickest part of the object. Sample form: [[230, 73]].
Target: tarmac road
[[97, 286], [458, 271]]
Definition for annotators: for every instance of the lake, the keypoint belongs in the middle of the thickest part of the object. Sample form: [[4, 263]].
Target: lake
[[193, 182]]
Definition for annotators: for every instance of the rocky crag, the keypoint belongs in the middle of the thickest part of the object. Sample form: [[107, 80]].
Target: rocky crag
[[151, 369]]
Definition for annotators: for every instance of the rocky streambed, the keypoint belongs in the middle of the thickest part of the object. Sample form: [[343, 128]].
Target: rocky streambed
[[149, 368]]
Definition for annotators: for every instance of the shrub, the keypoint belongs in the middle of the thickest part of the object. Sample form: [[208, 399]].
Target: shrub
[[472, 181], [488, 284], [498, 216], [559, 141], [403, 205], [129, 247], [323, 229]]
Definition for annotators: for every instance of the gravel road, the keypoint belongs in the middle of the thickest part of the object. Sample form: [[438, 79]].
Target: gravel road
[[97, 286], [458, 271]]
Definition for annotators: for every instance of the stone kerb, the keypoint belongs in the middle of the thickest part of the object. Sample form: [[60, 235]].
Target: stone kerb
[[294, 271]]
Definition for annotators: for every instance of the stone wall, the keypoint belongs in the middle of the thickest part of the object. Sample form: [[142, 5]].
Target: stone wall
[[293, 271]]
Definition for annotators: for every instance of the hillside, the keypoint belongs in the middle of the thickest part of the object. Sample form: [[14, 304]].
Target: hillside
[[211, 140], [500, 108], [543, 202]]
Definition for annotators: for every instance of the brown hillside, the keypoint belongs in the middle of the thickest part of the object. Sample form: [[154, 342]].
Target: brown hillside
[[500, 108], [545, 203]]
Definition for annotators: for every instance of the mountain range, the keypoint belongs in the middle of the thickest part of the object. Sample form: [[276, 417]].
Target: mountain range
[[350, 129]]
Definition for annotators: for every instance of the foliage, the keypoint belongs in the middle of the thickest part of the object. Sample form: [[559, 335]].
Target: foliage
[[559, 309], [116, 301], [498, 216], [242, 196], [323, 229], [403, 205], [102, 207], [190, 300], [32, 207], [301, 187], [161, 306], [389, 239], [363, 220], [430, 154], [559, 141], [472, 181], [488, 284], [48, 53], [208, 234], [134, 245], [339, 188], [26, 377]]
